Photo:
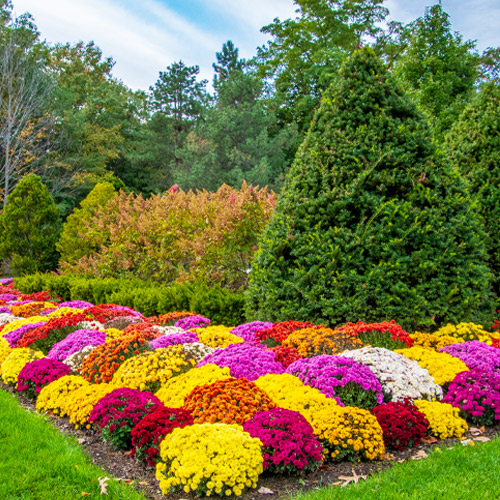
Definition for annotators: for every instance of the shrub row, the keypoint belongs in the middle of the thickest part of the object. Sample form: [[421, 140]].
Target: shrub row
[[221, 305]]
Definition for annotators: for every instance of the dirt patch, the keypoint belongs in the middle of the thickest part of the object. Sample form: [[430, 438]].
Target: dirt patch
[[120, 465]]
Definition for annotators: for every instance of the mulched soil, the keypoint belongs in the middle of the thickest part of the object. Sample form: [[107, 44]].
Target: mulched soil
[[119, 465]]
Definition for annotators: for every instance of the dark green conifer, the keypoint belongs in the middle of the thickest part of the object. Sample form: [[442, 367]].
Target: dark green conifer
[[371, 224], [30, 226]]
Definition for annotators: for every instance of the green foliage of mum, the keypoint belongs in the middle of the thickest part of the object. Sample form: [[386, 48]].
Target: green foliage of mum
[[74, 242], [371, 224], [30, 228], [473, 146]]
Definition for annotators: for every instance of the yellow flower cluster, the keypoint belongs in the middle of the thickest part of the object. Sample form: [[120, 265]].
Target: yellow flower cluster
[[209, 458], [173, 392], [151, 369], [3, 344], [64, 311], [17, 323], [53, 397], [442, 366], [15, 362], [444, 419], [3, 356], [113, 333], [348, 431], [79, 403], [289, 392], [217, 336], [434, 342], [467, 331]]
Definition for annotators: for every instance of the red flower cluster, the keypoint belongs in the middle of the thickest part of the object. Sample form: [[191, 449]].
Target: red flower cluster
[[375, 334], [403, 424], [280, 331], [56, 328], [148, 433], [104, 312], [146, 330], [117, 413], [285, 355], [44, 296]]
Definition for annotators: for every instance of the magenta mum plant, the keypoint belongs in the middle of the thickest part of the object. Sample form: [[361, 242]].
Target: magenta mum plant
[[35, 375]]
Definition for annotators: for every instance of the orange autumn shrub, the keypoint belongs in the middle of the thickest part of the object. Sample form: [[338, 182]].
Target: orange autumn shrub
[[177, 236], [229, 401]]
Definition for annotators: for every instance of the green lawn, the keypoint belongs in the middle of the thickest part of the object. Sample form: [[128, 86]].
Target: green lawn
[[38, 462], [459, 473]]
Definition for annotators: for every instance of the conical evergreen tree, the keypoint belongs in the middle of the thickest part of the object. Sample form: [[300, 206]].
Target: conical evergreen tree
[[371, 225], [473, 146], [30, 226]]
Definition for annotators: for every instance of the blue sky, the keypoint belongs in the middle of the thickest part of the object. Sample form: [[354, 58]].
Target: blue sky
[[146, 36]]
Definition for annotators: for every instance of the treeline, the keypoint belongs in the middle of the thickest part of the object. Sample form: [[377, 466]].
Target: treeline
[[66, 118]]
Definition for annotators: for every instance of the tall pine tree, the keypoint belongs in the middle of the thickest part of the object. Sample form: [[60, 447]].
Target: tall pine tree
[[371, 224]]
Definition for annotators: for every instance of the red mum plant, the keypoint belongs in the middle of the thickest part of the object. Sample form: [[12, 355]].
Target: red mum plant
[[117, 413], [45, 296], [289, 445], [403, 424], [44, 337], [148, 433], [285, 355], [280, 331], [387, 334]]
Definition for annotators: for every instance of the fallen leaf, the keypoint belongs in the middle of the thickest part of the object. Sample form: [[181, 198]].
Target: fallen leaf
[[475, 431], [387, 456], [145, 483], [81, 441], [421, 454], [84, 493], [483, 439], [76, 466], [265, 491], [482, 428], [125, 480], [127, 453], [466, 442], [345, 480], [103, 483], [429, 440]]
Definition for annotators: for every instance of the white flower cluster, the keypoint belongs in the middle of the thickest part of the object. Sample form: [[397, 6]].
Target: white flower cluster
[[400, 377], [198, 350], [7, 318], [75, 360], [168, 330]]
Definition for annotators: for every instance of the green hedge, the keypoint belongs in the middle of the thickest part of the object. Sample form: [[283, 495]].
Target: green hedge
[[220, 305]]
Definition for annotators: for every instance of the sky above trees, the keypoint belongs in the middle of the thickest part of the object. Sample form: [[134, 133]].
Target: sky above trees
[[145, 37]]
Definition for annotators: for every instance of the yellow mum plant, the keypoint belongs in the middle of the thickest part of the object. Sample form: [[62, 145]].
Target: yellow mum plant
[[209, 458], [434, 342], [348, 432], [150, 370], [3, 356], [173, 392], [3, 344], [15, 361], [217, 336], [113, 333], [444, 419], [467, 331], [53, 396], [442, 366], [64, 311], [290, 393], [79, 403]]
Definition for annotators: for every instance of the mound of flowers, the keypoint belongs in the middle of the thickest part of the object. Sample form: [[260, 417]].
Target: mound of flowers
[[248, 331], [316, 341], [477, 394], [230, 401], [279, 332], [54, 396], [442, 366], [173, 339], [218, 336], [149, 370], [15, 330], [152, 429], [75, 342], [37, 374], [476, 354], [289, 445], [348, 381], [117, 413], [190, 461], [285, 355], [15, 361], [400, 377], [187, 322], [245, 361], [467, 332], [402, 423], [444, 419], [173, 392], [432, 341], [387, 334]]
